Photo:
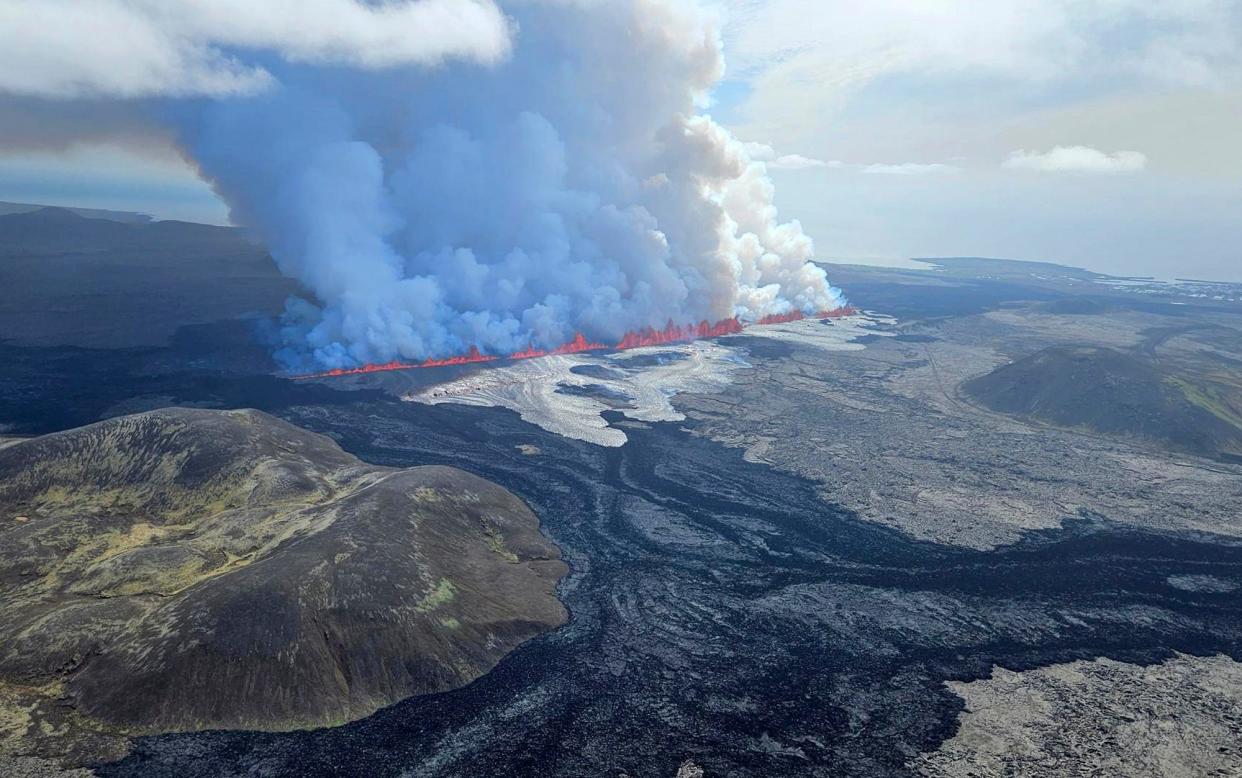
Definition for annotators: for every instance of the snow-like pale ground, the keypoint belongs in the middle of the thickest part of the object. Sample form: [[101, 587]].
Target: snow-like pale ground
[[530, 387]]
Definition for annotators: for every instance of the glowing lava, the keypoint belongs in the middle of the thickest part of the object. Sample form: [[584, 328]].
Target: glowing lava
[[650, 336], [781, 318], [471, 357], [785, 318], [674, 334], [576, 346], [836, 313]]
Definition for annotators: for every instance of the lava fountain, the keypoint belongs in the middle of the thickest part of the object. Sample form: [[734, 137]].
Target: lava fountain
[[649, 336]]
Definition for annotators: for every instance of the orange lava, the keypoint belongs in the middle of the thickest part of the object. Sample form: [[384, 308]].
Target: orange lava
[[471, 357], [530, 352], [363, 370], [650, 336], [836, 313], [675, 334], [576, 346], [781, 318]]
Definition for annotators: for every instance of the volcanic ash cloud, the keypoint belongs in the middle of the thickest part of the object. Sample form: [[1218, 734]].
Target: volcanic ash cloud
[[572, 185]]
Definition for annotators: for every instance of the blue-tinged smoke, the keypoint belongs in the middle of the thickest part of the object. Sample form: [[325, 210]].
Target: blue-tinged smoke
[[573, 186]]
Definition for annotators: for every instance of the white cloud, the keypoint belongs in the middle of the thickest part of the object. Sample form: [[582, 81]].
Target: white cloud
[[799, 162], [1176, 41], [939, 80], [1077, 159], [908, 169], [765, 153], [139, 48], [762, 152], [806, 60]]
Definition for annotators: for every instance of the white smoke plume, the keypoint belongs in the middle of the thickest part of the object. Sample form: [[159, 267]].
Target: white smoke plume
[[564, 180]]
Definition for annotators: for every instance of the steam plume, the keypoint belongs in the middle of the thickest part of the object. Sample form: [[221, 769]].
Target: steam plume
[[561, 180]]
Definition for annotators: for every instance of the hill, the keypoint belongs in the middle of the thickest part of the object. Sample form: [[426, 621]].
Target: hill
[[61, 230], [192, 569], [1109, 392], [101, 283], [90, 213]]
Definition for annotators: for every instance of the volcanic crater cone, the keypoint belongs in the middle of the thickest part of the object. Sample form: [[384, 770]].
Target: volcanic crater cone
[[194, 569]]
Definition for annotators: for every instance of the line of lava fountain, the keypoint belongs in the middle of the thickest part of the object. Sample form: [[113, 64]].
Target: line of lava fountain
[[649, 336], [576, 346]]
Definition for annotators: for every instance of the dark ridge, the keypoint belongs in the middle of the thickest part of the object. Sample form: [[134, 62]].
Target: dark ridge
[[59, 230], [1109, 392], [127, 217], [70, 280]]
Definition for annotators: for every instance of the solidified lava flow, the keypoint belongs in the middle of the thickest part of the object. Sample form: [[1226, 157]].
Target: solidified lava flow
[[672, 333]]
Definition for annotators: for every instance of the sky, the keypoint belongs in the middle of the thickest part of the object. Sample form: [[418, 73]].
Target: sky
[[1103, 134], [1100, 133]]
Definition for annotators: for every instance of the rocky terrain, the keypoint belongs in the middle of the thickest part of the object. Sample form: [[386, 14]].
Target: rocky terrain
[[888, 432], [723, 612], [193, 569], [789, 573], [1177, 718]]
